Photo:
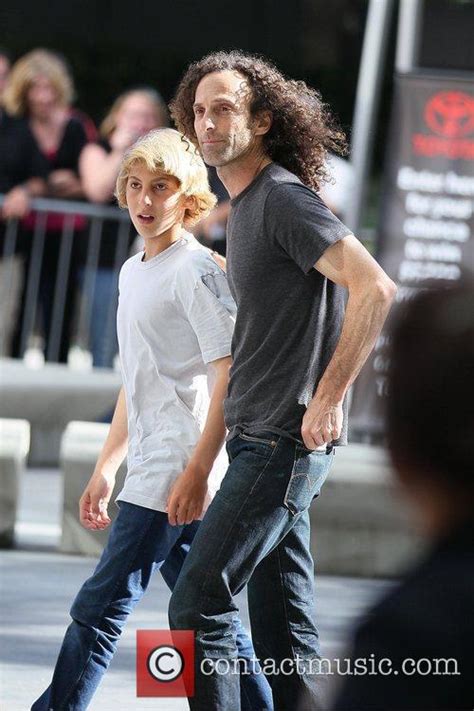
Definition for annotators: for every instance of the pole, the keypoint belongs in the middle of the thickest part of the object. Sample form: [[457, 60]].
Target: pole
[[367, 101], [408, 35]]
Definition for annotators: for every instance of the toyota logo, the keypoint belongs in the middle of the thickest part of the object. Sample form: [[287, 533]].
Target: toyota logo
[[450, 114]]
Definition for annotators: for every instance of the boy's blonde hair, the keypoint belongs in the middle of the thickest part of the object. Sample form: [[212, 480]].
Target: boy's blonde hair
[[39, 62], [166, 150]]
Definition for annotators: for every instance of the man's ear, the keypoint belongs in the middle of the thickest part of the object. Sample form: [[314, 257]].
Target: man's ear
[[263, 122]]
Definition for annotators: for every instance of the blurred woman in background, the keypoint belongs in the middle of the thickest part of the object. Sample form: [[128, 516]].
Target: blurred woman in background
[[22, 174], [41, 90], [134, 113]]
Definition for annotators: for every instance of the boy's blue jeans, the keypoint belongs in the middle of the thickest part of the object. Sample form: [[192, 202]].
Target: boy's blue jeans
[[141, 541], [256, 533]]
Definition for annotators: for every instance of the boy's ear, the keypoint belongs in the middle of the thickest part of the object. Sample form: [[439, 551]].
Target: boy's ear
[[190, 203]]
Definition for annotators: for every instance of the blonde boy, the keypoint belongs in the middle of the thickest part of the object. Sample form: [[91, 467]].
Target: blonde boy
[[174, 321]]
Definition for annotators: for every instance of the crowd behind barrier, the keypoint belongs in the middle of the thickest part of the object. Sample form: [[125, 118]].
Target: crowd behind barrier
[[70, 284], [60, 258]]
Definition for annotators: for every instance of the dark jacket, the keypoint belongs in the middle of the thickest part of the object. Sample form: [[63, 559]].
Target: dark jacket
[[429, 616]]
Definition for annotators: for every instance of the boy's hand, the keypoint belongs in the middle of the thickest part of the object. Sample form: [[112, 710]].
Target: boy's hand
[[94, 501], [187, 496]]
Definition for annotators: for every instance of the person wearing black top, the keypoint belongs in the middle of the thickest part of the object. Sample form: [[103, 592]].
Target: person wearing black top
[[212, 230], [430, 427], [41, 90], [22, 176], [22, 169]]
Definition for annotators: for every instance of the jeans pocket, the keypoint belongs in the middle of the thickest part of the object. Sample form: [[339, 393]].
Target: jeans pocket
[[260, 445], [258, 440], [307, 477]]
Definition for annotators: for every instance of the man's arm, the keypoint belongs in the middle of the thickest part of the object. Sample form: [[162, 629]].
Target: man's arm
[[371, 293], [95, 499], [188, 493]]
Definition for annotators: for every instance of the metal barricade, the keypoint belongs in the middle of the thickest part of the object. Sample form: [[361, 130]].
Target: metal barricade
[[81, 284]]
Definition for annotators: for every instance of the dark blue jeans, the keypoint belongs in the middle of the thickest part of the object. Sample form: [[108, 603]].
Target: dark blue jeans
[[255, 533], [141, 541]]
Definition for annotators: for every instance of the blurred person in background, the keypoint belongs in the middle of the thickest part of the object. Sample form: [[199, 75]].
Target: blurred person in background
[[41, 90], [430, 428], [5, 66], [212, 230], [336, 191], [134, 113], [22, 174]]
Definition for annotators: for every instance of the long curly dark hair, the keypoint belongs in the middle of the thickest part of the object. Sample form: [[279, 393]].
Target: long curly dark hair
[[303, 129]]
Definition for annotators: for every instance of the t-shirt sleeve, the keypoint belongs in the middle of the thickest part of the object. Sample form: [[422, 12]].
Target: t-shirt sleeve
[[204, 293], [299, 221]]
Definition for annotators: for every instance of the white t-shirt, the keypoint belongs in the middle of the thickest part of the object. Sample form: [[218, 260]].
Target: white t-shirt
[[175, 315]]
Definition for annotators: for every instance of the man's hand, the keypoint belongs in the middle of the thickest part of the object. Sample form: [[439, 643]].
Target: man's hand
[[187, 496], [94, 501], [16, 203], [322, 423]]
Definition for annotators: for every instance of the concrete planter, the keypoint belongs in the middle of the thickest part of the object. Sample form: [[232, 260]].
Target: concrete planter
[[14, 447]]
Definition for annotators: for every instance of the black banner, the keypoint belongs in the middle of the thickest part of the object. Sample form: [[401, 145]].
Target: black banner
[[426, 229]]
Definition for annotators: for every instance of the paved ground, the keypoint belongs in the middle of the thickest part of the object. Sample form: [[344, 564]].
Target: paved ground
[[37, 586]]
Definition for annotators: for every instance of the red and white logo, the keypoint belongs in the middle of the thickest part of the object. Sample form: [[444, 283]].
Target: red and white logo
[[165, 663], [450, 114]]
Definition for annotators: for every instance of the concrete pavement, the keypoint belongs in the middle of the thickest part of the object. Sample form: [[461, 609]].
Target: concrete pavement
[[37, 586]]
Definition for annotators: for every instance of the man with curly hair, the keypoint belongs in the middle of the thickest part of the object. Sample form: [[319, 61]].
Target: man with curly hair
[[296, 351]]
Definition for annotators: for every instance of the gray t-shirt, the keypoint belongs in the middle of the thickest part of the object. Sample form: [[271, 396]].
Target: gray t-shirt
[[289, 316]]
